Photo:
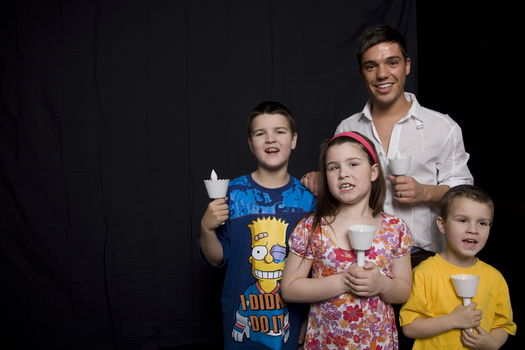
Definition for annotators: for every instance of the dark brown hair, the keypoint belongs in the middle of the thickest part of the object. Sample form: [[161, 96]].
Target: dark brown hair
[[271, 107], [381, 33], [464, 191]]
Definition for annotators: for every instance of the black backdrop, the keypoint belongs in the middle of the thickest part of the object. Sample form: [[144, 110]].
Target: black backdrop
[[113, 112]]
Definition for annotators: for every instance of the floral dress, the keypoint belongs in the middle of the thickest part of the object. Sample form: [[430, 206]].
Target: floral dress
[[349, 321]]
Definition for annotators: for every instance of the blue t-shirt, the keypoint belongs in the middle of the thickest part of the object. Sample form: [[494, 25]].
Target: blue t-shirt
[[254, 241]]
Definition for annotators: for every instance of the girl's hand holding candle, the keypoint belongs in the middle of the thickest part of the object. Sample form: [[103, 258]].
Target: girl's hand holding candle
[[361, 238]]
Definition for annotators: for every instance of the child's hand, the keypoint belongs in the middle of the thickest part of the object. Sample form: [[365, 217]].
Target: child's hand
[[215, 214], [480, 341], [364, 281], [464, 317]]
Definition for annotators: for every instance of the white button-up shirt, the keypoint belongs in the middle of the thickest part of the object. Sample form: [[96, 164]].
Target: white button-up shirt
[[435, 143]]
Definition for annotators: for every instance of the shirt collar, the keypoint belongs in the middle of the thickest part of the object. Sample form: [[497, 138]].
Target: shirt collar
[[414, 111]]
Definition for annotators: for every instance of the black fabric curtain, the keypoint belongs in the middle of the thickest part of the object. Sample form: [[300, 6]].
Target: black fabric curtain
[[111, 115]]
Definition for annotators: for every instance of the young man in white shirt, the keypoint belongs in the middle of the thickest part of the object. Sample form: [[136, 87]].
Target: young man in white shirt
[[395, 121]]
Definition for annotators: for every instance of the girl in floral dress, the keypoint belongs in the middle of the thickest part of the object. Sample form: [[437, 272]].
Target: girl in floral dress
[[349, 305]]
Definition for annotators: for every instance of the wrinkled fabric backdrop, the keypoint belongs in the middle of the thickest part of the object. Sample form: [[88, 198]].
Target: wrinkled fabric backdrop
[[113, 112]]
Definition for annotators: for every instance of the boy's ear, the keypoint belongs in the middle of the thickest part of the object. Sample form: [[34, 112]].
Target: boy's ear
[[294, 140], [441, 224], [250, 143]]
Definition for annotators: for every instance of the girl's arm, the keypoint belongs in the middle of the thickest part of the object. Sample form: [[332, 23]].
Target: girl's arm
[[368, 281], [296, 287], [462, 317]]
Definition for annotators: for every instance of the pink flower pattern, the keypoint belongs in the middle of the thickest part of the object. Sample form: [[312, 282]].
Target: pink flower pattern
[[349, 321]]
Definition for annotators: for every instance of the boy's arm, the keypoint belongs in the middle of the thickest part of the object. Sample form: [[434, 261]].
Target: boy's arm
[[484, 340], [462, 317], [211, 247]]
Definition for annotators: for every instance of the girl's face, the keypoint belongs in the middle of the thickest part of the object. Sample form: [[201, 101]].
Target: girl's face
[[349, 174]]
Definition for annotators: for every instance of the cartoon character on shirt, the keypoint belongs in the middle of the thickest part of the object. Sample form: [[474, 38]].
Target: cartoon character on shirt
[[262, 315]]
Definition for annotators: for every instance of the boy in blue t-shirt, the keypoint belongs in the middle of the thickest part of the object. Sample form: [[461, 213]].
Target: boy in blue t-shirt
[[259, 213]]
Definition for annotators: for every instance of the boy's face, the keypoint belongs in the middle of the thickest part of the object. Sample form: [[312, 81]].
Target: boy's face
[[384, 71], [466, 228], [271, 140]]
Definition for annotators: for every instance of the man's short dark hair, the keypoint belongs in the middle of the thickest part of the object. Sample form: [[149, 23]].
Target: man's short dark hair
[[378, 34]]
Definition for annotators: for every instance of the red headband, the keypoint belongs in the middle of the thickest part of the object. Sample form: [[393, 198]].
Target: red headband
[[358, 138]]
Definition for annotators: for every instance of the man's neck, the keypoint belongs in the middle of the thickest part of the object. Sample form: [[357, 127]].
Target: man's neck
[[394, 111]]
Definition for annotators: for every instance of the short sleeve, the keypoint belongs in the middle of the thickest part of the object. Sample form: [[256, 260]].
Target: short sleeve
[[405, 240], [298, 241], [397, 235], [416, 306], [503, 314]]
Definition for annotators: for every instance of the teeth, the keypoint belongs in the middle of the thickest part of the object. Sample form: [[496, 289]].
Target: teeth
[[346, 186], [271, 150], [272, 275], [383, 86]]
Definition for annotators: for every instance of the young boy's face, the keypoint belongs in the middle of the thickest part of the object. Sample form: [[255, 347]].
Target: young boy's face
[[271, 140], [467, 228]]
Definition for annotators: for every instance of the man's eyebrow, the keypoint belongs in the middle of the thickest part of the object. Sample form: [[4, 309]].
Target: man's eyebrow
[[369, 62], [395, 57], [389, 58]]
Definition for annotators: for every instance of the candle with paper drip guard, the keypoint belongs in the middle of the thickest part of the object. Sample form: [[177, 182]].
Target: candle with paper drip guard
[[361, 238], [216, 188], [466, 287], [400, 164]]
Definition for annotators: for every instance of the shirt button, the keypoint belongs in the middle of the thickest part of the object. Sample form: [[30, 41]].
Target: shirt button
[[387, 203]]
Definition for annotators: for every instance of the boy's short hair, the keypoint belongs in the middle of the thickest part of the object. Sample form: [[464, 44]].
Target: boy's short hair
[[271, 107], [378, 34], [464, 191]]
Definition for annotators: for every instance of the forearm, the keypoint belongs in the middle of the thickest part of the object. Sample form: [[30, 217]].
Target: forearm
[[427, 327], [311, 290], [297, 287], [433, 193], [500, 337], [211, 247], [396, 290]]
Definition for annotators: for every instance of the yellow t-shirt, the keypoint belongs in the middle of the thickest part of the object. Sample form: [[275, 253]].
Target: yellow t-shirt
[[433, 295]]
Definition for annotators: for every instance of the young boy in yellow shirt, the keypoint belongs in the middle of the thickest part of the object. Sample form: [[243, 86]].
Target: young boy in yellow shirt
[[434, 315]]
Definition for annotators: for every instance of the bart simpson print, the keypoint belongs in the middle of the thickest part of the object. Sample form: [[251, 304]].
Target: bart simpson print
[[262, 315]]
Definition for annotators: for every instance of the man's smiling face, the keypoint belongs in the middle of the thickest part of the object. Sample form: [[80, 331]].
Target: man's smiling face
[[384, 71]]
